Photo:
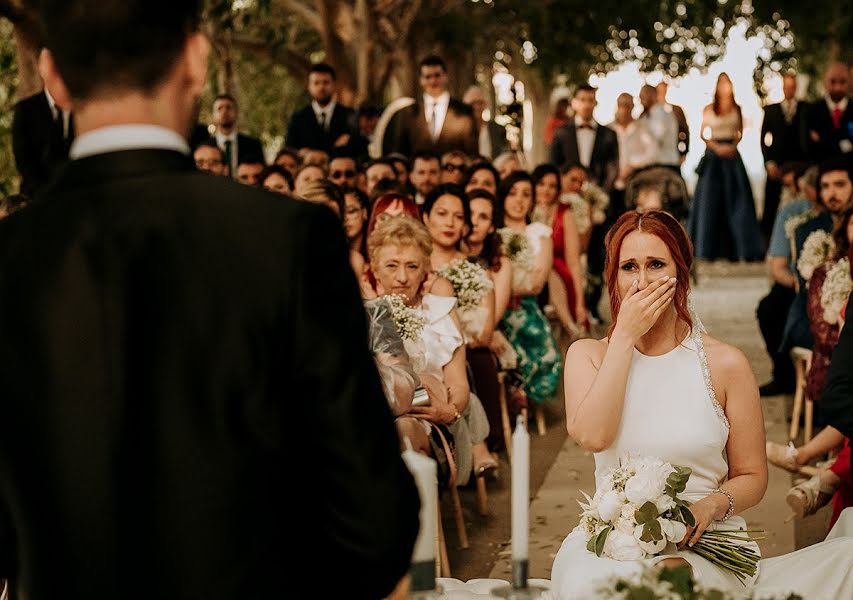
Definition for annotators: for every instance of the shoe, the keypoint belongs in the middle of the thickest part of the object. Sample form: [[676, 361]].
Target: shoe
[[489, 467], [809, 497], [774, 388], [784, 457]]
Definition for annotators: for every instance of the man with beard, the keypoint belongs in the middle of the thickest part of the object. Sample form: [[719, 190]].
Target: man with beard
[[829, 121], [236, 147], [325, 123], [425, 175]]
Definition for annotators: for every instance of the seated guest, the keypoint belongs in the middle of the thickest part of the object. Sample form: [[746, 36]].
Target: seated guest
[[399, 379], [326, 193], [305, 176], [250, 168], [400, 251], [453, 165], [507, 163], [376, 171], [209, 158], [401, 166], [288, 159], [356, 210], [236, 147], [425, 175], [324, 123], [387, 186], [276, 179], [314, 157], [481, 176], [342, 169]]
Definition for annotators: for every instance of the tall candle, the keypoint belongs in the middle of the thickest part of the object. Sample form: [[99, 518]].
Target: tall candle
[[424, 471], [520, 490]]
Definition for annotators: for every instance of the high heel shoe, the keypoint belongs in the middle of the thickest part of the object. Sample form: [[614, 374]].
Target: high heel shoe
[[808, 497], [487, 467], [785, 457]]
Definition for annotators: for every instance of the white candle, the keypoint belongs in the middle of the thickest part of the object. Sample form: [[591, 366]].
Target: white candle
[[520, 489], [423, 469]]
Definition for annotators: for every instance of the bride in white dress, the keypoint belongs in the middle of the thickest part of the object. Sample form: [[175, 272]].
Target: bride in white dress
[[659, 386]]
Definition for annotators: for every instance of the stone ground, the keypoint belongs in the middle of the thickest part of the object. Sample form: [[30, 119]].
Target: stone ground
[[726, 296]]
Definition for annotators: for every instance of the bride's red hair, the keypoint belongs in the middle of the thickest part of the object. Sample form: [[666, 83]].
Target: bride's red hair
[[669, 230]]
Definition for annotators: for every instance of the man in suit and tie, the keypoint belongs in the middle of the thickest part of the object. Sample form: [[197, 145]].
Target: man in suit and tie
[[236, 147], [179, 353], [829, 121], [435, 123], [595, 147], [781, 142], [325, 123], [491, 137], [41, 135]]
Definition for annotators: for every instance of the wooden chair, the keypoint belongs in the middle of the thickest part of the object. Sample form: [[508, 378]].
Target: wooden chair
[[505, 421], [539, 413], [802, 358]]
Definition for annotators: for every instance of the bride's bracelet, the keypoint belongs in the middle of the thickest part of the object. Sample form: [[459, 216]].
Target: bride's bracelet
[[731, 499]]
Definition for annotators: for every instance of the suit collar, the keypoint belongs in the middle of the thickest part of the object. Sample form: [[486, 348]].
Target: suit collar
[[127, 137]]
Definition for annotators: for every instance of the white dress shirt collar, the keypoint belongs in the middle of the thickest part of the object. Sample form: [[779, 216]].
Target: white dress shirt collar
[[591, 123], [327, 110], [440, 104], [842, 105], [116, 138]]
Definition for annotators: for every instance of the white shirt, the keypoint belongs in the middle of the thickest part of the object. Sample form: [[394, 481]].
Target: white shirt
[[637, 146], [127, 137], [586, 139], [663, 125], [326, 111], [484, 143], [842, 105], [221, 138], [54, 110], [440, 105]]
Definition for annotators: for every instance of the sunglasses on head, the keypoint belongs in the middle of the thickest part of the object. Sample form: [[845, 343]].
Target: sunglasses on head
[[338, 174]]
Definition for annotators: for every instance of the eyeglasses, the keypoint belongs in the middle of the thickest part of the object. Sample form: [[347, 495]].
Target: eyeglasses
[[453, 167], [201, 163], [342, 174]]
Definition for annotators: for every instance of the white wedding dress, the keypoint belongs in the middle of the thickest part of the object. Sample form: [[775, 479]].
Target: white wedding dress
[[671, 412]]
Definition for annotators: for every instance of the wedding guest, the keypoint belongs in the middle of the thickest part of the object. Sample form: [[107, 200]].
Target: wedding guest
[[277, 179], [722, 222], [829, 121], [325, 123], [314, 157], [356, 210], [435, 123], [305, 176], [209, 158], [326, 193], [453, 167], [343, 170], [663, 125], [491, 137], [401, 167], [447, 217], [683, 128], [288, 159], [393, 204], [425, 175], [236, 147], [637, 147], [481, 176], [376, 171], [507, 163], [565, 283], [173, 323], [250, 168], [558, 117], [781, 142], [523, 324]]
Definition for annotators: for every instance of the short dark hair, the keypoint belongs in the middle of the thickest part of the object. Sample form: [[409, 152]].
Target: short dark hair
[[276, 170], [251, 159], [362, 198], [324, 68], [839, 163], [287, 152], [339, 152], [379, 161], [584, 87], [386, 185], [104, 45], [433, 60], [210, 143], [228, 97], [426, 155], [573, 165]]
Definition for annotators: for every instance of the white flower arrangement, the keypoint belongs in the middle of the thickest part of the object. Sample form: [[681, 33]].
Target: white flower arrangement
[[598, 200], [516, 247], [835, 291], [580, 211], [471, 284], [792, 223], [409, 321], [816, 250], [638, 511]]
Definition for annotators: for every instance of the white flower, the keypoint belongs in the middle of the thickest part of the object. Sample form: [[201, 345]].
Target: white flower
[[626, 526], [673, 530], [610, 505], [652, 547], [623, 546], [628, 511], [664, 502], [816, 249], [648, 483], [835, 291]]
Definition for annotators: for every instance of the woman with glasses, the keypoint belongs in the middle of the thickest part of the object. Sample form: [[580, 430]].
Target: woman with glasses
[[453, 165]]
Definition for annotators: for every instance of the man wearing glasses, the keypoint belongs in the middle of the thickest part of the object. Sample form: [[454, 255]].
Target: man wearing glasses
[[342, 170], [453, 165]]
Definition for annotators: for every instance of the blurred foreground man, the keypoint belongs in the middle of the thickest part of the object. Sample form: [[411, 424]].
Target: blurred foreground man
[[177, 368]]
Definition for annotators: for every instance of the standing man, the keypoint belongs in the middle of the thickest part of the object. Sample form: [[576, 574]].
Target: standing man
[[637, 146], [662, 123], [491, 137], [236, 147], [435, 123], [41, 135], [829, 121], [781, 142], [161, 332], [683, 143], [325, 123]]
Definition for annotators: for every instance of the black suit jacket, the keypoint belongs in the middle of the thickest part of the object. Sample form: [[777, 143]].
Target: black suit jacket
[[408, 131], [188, 401], [836, 403], [819, 125], [305, 132], [37, 142], [781, 141], [604, 163], [249, 147], [497, 135]]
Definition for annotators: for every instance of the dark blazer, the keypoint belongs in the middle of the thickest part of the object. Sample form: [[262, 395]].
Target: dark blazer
[[305, 132], [38, 142], [787, 140], [604, 164], [819, 125], [186, 402], [249, 147], [836, 403], [497, 135], [408, 131]]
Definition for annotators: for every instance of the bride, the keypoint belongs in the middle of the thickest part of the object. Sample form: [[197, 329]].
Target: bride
[[659, 386]]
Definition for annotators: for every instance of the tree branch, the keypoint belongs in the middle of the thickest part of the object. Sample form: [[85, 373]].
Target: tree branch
[[295, 62], [302, 10]]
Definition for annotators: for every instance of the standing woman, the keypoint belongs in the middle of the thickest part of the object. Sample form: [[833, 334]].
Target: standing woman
[[529, 247], [447, 217], [722, 221], [565, 283]]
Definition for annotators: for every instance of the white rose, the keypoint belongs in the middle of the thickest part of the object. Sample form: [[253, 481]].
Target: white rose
[[623, 546], [628, 511], [625, 526], [610, 505], [673, 530], [652, 547], [664, 502], [649, 482]]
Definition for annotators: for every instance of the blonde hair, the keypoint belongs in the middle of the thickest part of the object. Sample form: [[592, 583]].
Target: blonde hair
[[399, 231]]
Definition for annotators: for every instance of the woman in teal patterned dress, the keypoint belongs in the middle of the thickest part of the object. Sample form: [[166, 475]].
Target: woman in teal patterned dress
[[528, 246]]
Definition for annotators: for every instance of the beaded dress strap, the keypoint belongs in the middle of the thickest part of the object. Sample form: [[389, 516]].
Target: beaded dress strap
[[706, 374]]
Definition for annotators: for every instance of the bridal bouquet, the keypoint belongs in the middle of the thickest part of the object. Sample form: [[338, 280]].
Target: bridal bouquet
[[835, 291], [792, 223], [516, 247], [471, 283], [816, 250], [637, 511]]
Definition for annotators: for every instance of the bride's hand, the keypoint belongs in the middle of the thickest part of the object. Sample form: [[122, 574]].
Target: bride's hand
[[641, 309], [705, 512]]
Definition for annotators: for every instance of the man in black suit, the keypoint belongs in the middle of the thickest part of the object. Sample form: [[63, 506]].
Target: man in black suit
[[41, 135], [190, 408], [583, 141], [236, 147], [781, 142], [491, 137], [829, 121], [436, 123], [325, 123]]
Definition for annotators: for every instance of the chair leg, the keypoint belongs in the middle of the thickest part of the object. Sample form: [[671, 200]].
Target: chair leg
[[809, 428], [799, 392], [507, 428], [540, 421], [457, 514], [442, 565], [482, 496]]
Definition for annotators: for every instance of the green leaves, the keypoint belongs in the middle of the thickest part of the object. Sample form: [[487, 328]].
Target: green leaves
[[677, 481], [652, 532], [596, 542], [687, 516], [647, 513]]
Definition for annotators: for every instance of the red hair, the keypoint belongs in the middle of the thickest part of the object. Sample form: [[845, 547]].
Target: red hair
[[670, 232], [384, 201]]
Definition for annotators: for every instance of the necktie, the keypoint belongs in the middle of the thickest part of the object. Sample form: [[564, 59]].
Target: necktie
[[836, 118], [433, 122], [323, 120], [228, 157]]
